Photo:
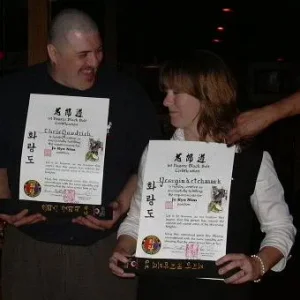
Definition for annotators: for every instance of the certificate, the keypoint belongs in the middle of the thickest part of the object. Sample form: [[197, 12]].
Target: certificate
[[185, 202], [64, 149]]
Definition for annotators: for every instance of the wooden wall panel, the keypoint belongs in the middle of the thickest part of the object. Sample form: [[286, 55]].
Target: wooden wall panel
[[38, 22]]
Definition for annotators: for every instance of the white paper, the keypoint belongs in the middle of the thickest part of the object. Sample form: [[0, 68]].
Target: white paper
[[185, 200], [64, 149]]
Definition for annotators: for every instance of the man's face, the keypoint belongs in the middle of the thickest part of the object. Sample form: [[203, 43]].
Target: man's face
[[75, 63]]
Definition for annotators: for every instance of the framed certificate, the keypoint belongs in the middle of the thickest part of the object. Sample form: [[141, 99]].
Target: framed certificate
[[184, 207], [63, 153]]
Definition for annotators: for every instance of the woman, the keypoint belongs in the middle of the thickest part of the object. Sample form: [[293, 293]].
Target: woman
[[201, 98]]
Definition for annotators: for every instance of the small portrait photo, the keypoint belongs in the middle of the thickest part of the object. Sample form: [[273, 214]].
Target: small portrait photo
[[218, 197], [95, 148]]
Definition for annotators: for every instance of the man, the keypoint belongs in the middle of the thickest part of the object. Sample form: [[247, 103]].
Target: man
[[67, 259], [252, 122]]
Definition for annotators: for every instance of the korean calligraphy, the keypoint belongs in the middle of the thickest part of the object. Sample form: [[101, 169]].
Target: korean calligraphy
[[32, 135], [172, 265], [150, 198]]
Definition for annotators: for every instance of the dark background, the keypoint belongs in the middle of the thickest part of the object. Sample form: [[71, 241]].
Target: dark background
[[259, 42]]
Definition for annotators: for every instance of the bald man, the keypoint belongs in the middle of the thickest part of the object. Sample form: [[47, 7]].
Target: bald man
[[68, 259]]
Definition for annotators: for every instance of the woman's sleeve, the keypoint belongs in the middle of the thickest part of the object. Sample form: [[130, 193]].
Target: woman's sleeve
[[272, 211], [130, 225]]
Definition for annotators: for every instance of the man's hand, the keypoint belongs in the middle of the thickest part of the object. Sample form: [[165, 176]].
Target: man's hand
[[119, 208], [94, 223], [22, 218], [250, 124]]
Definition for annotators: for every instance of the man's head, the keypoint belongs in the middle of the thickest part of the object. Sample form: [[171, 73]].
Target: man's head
[[74, 49]]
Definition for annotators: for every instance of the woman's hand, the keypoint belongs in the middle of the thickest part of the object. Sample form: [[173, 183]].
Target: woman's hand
[[248, 268], [119, 256]]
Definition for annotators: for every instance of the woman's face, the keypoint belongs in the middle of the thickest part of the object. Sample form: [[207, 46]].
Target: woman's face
[[183, 109]]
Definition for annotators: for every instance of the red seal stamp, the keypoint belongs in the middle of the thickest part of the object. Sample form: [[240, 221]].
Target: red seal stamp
[[69, 196], [47, 152], [169, 205], [151, 244], [32, 188], [192, 251]]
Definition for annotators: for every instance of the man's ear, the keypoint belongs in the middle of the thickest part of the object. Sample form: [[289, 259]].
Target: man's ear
[[52, 53]]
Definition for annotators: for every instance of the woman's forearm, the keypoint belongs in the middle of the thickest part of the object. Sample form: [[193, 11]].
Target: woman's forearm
[[126, 244]]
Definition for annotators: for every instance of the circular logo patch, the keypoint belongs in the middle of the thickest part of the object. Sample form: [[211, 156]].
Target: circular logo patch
[[151, 244], [32, 188]]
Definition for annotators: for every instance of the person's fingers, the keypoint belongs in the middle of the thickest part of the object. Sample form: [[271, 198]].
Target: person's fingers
[[29, 220], [12, 219], [113, 265], [86, 222], [239, 277], [6, 218], [21, 215], [235, 264], [233, 138], [120, 257], [229, 257], [101, 224]]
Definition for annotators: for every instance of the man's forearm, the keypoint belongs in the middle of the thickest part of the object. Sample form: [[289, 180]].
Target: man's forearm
[[4, 188], [127, 193], [287, 107]]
